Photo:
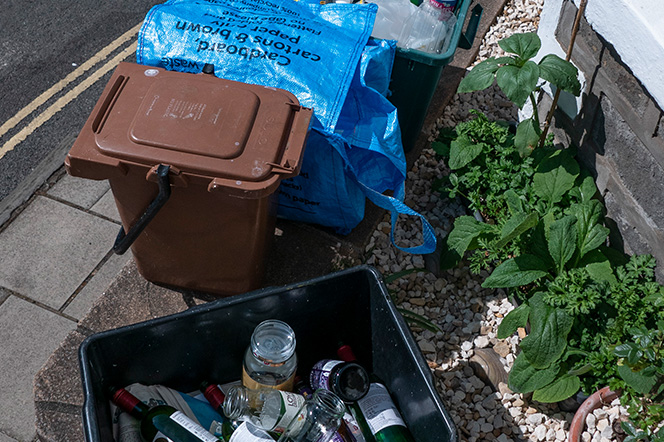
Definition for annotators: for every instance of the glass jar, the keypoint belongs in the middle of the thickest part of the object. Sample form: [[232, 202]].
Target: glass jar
[[318, 421], [270, 360]]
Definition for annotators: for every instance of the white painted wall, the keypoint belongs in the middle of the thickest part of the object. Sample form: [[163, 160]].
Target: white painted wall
[[635, 28], [567, 102]]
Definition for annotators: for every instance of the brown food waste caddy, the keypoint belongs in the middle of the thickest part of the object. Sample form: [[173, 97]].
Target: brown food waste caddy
[[194, 163]]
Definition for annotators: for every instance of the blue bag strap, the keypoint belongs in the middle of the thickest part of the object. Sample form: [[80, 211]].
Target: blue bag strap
[[394, 205]]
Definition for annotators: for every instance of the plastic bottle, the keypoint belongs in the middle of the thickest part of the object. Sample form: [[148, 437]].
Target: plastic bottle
[[427, 28], [270, 360], [161, 422]]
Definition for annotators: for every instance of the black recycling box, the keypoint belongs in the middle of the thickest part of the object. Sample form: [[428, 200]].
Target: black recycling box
[[207, 342]]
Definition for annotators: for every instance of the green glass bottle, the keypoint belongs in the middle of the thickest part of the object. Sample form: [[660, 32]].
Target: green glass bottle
[[161, 423], [376, 413]]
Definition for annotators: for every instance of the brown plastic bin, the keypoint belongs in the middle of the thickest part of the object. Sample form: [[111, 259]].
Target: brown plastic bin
[[194, 163]]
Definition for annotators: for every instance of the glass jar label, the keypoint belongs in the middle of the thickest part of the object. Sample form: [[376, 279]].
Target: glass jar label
[[249, 433], [193, 427], [320, 373], [251, 383], [277, 416], [378, 409]]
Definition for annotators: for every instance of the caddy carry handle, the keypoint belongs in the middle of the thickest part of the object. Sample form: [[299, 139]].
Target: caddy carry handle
[[466, 38], [124, 240]]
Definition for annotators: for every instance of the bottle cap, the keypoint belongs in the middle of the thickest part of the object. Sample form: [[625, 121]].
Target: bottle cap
[[273, 341], [345, 353], [351, 381], [125, 400], [213, 394]]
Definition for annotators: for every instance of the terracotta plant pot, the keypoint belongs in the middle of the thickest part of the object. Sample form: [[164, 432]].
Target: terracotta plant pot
[[602, 397]]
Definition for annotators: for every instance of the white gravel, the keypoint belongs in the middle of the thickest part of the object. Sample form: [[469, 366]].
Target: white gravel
[[468, 314]]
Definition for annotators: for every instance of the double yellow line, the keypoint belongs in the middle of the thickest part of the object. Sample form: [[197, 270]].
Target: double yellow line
[[61, 102]]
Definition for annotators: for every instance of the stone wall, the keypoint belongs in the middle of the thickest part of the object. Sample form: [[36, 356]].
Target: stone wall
[[620, 135]]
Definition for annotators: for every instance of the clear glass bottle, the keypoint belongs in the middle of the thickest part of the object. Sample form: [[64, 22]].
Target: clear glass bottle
[[269, 409], [216, 397], [161, 422], [318, 420], [348, 380], [343, 434], [270, 360]]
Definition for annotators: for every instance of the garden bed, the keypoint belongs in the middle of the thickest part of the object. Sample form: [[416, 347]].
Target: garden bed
[[469, 315]]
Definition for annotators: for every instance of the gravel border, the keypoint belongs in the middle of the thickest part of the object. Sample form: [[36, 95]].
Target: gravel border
[[482, 408]]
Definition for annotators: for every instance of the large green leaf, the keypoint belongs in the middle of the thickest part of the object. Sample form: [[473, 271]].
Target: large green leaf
[[549, 327], [514, 203], [525, 378], [465, 230], [598, 266], [514, 319], [515, 226], [588, 189], [538, 245], [562, 74], [524, 45], [561, 241], [518, 82], [480, 77], [527, 136], [555, 176], [463, 151], [559, 390], [516, 272], [641, 384], [591, 234]]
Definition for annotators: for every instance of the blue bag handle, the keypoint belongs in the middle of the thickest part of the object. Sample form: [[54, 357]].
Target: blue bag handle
[[394, 205]]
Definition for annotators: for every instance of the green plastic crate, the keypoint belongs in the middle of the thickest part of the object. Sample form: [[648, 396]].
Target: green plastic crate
[[415, 75]]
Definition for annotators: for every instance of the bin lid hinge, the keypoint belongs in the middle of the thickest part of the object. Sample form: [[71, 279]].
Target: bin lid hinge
[[286, 167]]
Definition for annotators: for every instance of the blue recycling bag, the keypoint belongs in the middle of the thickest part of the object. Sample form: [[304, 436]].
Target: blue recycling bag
[[323, 55]]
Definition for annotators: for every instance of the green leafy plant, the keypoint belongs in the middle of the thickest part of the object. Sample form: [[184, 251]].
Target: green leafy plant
[[595, 318], [518, 77], [641, 367], [575, 323]]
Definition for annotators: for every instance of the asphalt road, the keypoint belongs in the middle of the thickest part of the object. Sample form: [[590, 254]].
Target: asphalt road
[[55, 59]]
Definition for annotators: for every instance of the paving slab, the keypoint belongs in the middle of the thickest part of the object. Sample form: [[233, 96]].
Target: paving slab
[[79, 191], [28, 335], [106, 206], [96, 286], [5, 438], [59, 247]]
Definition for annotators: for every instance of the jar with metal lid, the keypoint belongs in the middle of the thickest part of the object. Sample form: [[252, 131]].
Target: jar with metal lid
[[270, 360]]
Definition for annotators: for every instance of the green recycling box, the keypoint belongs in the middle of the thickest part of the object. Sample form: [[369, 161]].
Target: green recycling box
[[415, 75]]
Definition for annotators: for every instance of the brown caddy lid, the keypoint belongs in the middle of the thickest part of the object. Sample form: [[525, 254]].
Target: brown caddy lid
[[204, 126]]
